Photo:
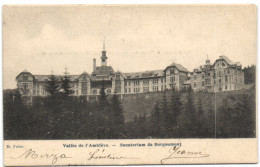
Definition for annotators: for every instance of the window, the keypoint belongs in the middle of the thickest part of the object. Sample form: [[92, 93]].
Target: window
[[171, 71], [94, 92], [77, 92], [155, 81], [83, 88], [25, 78], [84, 78], [125, 90], [136, 90], [228, 71], [195, 77], [76, 85], [25, 85], [203, 83], [155, 88], [38, 92], [226, 78], [146, 89], [226, 86], [161, 80], [194, 84], [129, 90], [118, 77], [136, 82], [203, 76], [172, 79], [219, 81]]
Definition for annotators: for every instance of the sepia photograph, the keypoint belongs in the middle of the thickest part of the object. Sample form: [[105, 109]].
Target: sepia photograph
[[128, 72]]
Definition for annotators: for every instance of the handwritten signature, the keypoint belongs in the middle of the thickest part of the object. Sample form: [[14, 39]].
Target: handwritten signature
[[176, 152], [102, 154], [31, 154]]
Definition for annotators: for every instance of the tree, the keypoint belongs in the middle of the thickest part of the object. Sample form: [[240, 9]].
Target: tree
[[165, 116], [188, 122], [116, 118], [175, 107], [102, 115], [16, 116], [250, 74], [200, 119], [52, 86], [156, 121], [66, 86]]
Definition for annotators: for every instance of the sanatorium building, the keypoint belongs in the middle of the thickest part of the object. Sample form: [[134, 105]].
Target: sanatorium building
[[222, 75]]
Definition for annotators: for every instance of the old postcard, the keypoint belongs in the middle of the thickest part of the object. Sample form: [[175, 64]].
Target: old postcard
[[129, 84]]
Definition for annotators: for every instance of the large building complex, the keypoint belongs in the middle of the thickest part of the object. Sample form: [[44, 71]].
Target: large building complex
[[222, 75]]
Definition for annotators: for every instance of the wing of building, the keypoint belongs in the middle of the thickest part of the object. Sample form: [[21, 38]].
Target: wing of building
[[222, 75]]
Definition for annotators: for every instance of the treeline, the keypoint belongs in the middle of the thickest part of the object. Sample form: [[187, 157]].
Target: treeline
[[198, 115], [250, 74], [174, 115], [62, 116]]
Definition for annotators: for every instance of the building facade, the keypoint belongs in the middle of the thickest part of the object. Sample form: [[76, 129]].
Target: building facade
[[222, 75]]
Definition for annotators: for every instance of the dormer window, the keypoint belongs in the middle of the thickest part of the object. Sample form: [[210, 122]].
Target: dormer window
[[171, 71], [117, 77], [84, 78], [25, 78]]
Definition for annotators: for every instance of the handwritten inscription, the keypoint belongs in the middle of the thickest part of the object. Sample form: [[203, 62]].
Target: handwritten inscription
[[102, 154], [31, 154], [177, 152]]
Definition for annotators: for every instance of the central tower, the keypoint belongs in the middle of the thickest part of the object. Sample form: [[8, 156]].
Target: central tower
[[104, 56]]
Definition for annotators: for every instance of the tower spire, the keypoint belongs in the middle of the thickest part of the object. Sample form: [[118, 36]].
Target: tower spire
[[207, 61], [104, 55], [104, 44], [66, 70]]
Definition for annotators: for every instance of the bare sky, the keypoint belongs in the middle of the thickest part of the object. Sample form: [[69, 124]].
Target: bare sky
[[138, 38]]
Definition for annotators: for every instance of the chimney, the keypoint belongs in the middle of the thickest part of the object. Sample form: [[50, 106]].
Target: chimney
[[94, 64]]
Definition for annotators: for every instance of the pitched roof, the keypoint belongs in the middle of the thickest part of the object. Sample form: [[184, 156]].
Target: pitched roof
[[226, 59], [24, 72], [103, 71], [43, 78], [178, 66], [145, 74]]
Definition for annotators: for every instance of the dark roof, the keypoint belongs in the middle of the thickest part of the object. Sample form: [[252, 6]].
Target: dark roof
[[42, 78], [103, 71], [226, 59], [24, 72], [178, 66], [145, 74]]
